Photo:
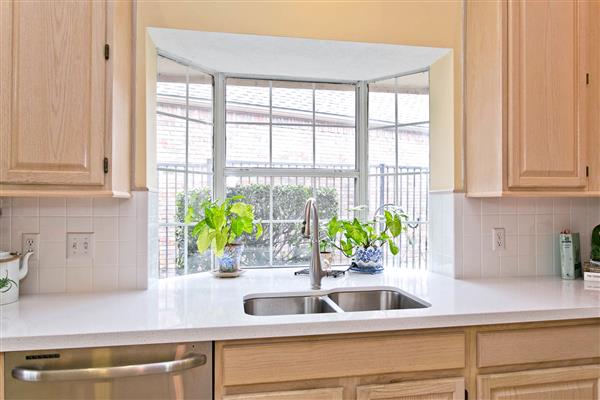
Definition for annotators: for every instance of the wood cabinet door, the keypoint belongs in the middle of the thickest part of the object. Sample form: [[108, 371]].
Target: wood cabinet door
[[431, 389], [312, 394], [570, 383], [52, 92], [546, 94]]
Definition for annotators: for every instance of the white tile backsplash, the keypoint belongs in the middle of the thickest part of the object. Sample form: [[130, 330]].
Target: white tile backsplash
[[123, 231], [531, 225]]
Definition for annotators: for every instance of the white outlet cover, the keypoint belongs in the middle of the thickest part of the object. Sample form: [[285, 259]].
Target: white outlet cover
[[80, 245], [31, 242], [499, 239]]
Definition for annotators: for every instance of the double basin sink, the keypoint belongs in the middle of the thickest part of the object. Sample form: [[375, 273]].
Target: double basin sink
[[332, 301]]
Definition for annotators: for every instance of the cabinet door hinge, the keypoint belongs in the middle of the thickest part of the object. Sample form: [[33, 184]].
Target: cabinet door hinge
[[587, 78], [105, 165], [587, 171], [106, 51]]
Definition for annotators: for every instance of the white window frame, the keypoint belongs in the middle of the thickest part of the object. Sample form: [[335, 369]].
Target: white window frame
[[220, 171]]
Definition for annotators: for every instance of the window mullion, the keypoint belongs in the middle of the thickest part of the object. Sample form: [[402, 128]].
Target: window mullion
[[219, 138], [271, 180], [187, 164], [362, 147]]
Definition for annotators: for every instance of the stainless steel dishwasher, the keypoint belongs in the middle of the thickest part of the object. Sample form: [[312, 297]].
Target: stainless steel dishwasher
[[163, 371]]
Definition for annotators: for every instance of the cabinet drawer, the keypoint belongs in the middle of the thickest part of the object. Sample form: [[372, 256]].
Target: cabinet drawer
[[313, 394], [571, 383], [315, 358], [537, 345]]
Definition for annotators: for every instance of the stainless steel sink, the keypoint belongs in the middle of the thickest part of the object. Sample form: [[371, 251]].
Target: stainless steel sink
[[336, 300], [288, 305], [370, 300]]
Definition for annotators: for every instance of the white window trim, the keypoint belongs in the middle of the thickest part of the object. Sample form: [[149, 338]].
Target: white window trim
[[220, 171]]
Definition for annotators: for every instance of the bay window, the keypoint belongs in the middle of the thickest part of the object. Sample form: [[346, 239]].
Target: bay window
[[279, 142]]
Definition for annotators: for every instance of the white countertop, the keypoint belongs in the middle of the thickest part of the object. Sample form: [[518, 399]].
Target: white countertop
[[200, 307]]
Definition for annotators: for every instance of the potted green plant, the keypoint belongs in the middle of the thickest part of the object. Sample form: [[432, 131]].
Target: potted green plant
[[221, 226], [364, 241], [596, 245]]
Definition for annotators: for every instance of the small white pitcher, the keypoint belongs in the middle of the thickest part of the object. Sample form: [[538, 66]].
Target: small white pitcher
[[13, 268]]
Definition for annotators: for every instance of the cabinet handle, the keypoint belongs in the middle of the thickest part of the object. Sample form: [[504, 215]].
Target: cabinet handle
[[122, 371]]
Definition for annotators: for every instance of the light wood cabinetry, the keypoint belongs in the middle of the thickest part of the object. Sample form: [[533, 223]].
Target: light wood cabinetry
[[368, 355], [529, 96], [546, 94], [312, 394], [65, 106], [570, 383], [521, 346], [431, 389], [1, 376], [547, 360]]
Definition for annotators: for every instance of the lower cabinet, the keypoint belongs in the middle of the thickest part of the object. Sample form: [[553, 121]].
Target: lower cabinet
[[529, 361], [430, 389], [312, 394], [569, 383]]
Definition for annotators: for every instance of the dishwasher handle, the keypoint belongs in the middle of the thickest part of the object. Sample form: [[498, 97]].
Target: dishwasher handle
[[122, 371]]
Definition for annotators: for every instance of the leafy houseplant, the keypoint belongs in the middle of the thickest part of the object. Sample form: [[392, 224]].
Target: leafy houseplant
[[364, 241], [220, 226], [596, 244]]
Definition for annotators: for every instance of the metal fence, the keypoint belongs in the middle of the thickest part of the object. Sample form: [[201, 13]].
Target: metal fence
[[412, 185]]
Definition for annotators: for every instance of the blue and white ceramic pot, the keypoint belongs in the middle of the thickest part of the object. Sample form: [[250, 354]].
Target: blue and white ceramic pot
[[368, 260], [230, 260]]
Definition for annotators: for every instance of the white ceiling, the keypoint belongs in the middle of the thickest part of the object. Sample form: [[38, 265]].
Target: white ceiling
[[292, 58]]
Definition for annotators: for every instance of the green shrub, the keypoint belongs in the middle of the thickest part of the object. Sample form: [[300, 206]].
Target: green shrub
[[288, 204]]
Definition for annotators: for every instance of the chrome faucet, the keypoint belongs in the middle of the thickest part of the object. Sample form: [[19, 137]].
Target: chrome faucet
[[314, 270]]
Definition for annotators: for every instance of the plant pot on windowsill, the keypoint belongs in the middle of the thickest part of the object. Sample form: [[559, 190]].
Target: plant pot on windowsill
[[364, 241], [368, 260], [221, 227], [230, 261]]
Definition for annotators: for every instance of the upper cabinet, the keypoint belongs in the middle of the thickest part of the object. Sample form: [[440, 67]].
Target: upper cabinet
[[546, 94], [528, 98], [65, 98]]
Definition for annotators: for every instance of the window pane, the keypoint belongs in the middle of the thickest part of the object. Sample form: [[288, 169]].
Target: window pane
[[292, 147], [292, 102], [413, 145], [256, 191], [170, 139], [413, 98], [167, 251], [335, 104], [200, 150], [382, 150], [171, 185], [382, 104], [256, 251], [335, 197], [170, 156], [201, 96], [197, 262], [247, 100], [171, 87], [247, 145], [289, 247], [289, 196], [335, 148], [382, 191]]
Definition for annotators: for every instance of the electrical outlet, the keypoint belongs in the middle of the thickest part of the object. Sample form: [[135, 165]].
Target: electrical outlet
[[31, 242], [80, 245], [499, 239]]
